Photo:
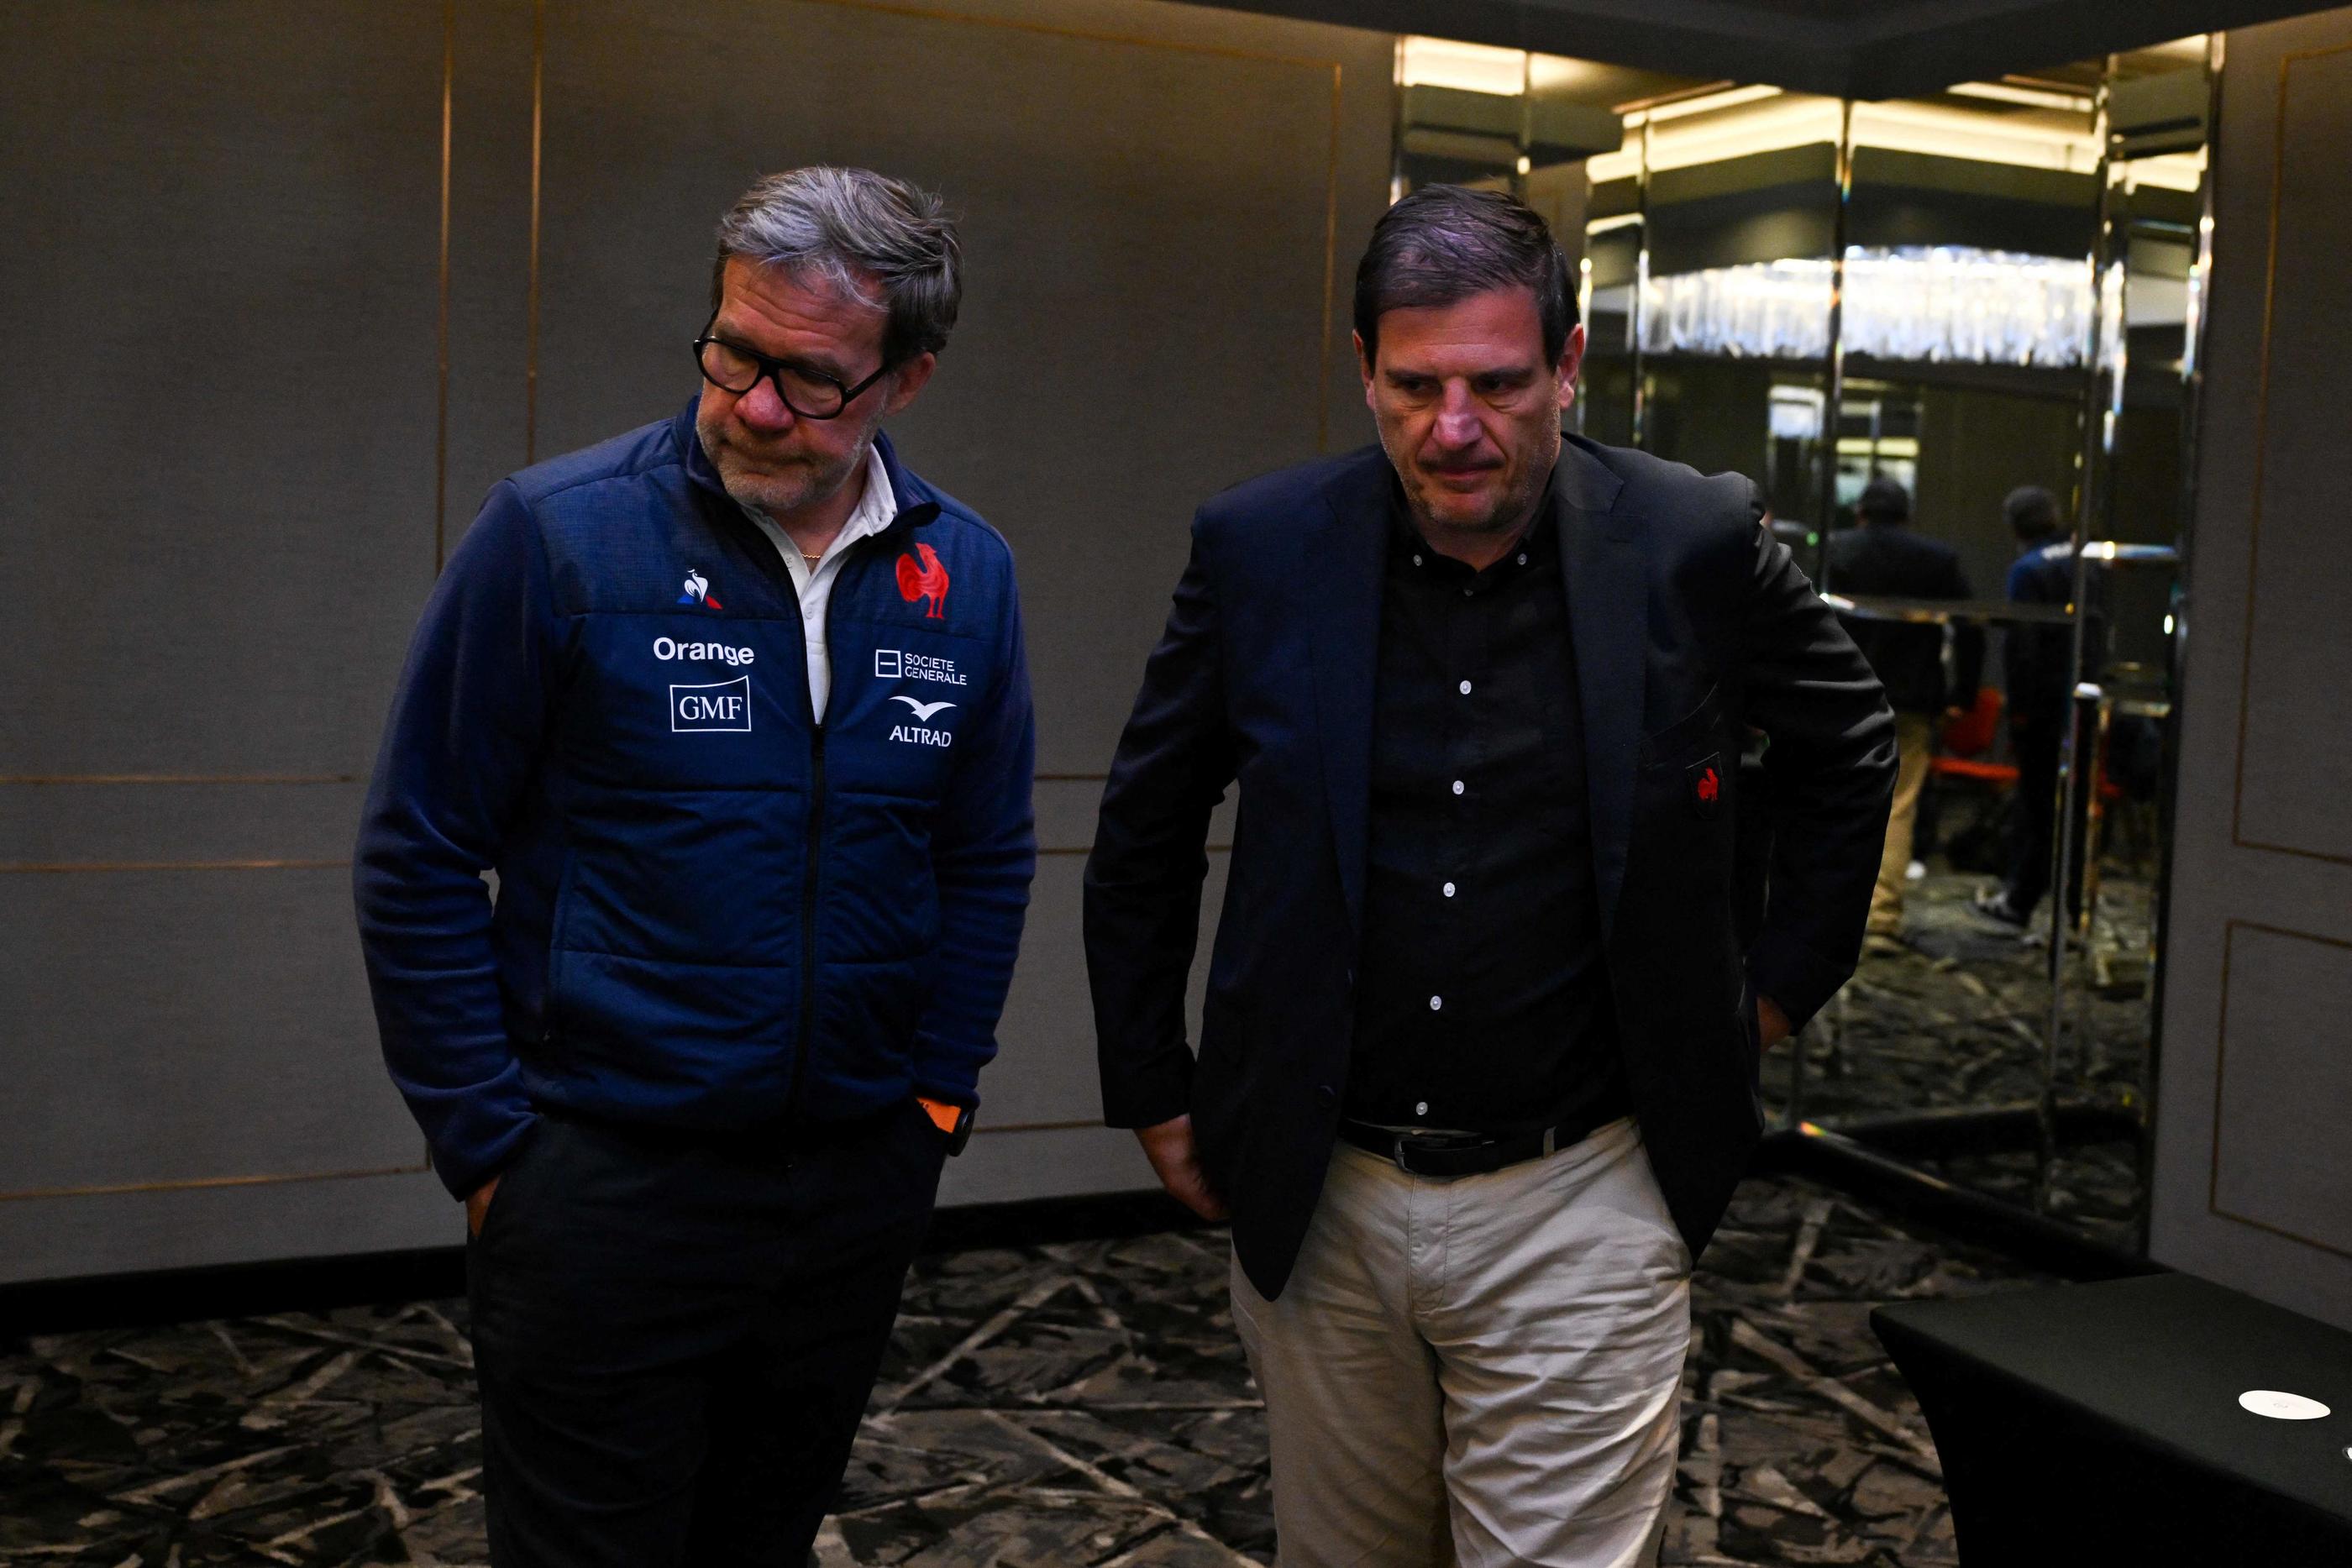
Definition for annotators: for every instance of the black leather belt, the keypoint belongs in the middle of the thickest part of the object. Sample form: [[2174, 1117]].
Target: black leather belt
[[1466, 1154]]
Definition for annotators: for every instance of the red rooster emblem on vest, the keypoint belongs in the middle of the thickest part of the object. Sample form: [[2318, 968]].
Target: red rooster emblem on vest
[[929, 581]]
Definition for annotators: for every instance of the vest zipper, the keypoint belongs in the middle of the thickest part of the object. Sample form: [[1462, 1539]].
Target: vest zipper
[[813, 859], [763, 551]]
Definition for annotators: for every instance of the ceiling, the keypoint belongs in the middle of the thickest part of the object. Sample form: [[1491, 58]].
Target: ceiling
[[1849, 49]]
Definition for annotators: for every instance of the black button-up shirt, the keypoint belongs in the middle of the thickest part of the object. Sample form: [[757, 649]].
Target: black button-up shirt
[[1482, 993]]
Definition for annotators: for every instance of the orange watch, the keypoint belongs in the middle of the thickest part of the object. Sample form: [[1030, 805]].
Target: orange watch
[[953, 1120]]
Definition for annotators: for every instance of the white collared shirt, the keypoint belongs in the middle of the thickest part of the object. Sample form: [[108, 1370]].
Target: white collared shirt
[[813, 584]]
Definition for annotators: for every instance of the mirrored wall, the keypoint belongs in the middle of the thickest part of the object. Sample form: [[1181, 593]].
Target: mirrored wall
[[1954, 340]]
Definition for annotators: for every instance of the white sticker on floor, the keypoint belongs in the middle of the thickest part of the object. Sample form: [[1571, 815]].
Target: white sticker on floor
[[2281, 1406]]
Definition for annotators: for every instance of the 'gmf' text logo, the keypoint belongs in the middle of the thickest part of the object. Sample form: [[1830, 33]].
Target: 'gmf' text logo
[[724, 705]]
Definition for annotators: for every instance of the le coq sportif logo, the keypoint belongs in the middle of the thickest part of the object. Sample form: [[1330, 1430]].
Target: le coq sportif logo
[[697, 592]]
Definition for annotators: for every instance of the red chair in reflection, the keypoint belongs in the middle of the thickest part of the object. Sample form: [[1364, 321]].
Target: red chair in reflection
[[1967, 738]]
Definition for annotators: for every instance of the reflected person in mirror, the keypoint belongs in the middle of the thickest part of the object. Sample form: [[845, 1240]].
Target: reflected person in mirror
[[1886, 554], [2037, 667]]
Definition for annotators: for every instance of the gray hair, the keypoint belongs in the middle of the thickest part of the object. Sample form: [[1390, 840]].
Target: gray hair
[[855, 229]]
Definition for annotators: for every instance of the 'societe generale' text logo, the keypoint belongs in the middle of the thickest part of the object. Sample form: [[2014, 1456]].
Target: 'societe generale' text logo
[[897, 664]]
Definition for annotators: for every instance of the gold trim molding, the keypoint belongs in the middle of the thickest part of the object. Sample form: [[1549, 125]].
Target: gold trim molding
[[441, 331], [51, 867], [531, 303], [199, 1184], [52, 778]]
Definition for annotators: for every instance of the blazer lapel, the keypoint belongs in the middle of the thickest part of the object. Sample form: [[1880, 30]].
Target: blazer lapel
[[1342, 553], [1608, 620]]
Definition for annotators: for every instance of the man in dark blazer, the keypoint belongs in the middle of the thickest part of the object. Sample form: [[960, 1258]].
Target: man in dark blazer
[[1478, 1064], [1886, 556]]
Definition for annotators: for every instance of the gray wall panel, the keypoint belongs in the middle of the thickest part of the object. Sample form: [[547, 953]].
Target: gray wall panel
[[1044, 1069], [73, 1237], [1035, 1077], [188, 1026], [2237, 1170], [144, 823], [490, 433], [2279, 1116], [2294, 770], [1062, 1162], [220, 410], [1066, 807]]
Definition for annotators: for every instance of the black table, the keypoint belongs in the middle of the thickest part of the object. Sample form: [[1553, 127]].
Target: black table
[[2099, 1424]]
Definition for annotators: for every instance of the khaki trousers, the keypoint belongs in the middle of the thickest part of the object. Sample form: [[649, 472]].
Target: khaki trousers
[[1914, 744], [1479, 1371]]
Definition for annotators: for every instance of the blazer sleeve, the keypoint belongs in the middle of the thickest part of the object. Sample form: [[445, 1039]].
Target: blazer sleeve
[[1831, 766], [1143, 878]]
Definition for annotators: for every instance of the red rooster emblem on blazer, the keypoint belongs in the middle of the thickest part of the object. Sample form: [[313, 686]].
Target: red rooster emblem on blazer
[[929, 581]]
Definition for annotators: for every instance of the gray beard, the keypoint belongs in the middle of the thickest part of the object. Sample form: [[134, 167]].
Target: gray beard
[[799, 486]]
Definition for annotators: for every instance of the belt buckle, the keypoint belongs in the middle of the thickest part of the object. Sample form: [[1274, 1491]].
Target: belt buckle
[[1405, 1142]]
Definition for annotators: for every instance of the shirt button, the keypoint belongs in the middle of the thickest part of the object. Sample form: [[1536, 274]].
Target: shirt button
[[1467, 592], [1449, 890], [1416, 560], [1465, 688], [1457, 785], [1421, 1108], [1436, 1004], [1523, 558]]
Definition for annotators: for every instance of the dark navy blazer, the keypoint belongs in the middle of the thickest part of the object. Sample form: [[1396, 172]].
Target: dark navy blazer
[[1692, 625]]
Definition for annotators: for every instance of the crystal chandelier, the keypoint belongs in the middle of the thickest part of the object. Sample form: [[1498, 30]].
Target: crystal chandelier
[[1938, 303]]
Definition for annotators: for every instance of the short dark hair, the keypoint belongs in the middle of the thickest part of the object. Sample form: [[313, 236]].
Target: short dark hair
[[1443, 244], [2031, 511], [1886, 499]]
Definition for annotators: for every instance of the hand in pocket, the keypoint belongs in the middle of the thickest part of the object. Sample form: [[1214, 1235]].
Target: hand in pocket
[[479, 1206]]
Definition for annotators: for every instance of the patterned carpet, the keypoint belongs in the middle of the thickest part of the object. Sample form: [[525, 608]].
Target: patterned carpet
[[1078, 1404]]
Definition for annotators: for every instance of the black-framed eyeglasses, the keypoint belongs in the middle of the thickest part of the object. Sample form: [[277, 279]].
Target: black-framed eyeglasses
[[807, 392]]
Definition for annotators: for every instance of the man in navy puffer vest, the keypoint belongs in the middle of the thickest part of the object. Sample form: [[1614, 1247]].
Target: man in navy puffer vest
[[735, 709]]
